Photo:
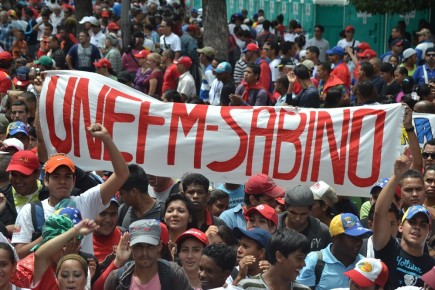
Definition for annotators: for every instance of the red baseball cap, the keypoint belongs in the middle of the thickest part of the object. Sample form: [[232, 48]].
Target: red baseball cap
[[265, 211], [370, 53], [142, 54], [58, 160], [24, 161], [184, 60], [263, 184], [191, 233], [113, 26], [164, 235], [251, 47], [105, 13], [369, 272], [5, 55], [363, 45], [104, 62], [349, 28]]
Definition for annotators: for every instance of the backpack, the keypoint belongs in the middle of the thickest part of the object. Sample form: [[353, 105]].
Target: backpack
[[318, 269], [38, 219]]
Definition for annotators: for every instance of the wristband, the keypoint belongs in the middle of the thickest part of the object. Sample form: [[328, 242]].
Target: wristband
[[410, 129]]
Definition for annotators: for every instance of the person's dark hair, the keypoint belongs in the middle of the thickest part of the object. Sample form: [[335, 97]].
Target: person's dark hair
[[429, 168], [326, 66], [189, 205], [137, 179], [387, 68], [8, 248], [28, 12], [320, 27], [280, 18], [430, 142], [223, 255], [4, 163], [332, 98], [407, 85], [266, 25], [217, 194], [274, 46], [173, 96], [411, 173], [286, 241], [195, 178], [256, 69], [169, 53], [282, 79], [49, 25], [227, 236], [366, 90], [402, 70], [302, 72], [286, 46], [21, 103], [300, 41], [32, 132], [368, 69], [423, 90], [314, 49], [169, 22]]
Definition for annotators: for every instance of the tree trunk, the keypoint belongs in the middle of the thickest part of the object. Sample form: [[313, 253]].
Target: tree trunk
[[216, 26], [125, 24], [83, 8]]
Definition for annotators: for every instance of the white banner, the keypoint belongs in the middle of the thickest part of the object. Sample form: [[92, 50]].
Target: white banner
[[349, 148]]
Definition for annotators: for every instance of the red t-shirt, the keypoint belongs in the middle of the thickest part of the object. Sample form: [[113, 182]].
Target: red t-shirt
[[5, 82], [48, 281], [170, 78], [105, 246], [342, 72]]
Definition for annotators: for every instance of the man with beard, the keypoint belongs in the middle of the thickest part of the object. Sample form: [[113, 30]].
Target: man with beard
[[83, 54], [426, 72], [147, 269]]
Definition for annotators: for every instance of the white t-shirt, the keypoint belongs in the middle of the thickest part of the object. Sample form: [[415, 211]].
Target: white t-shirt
[[186, 85], [214, 97], [99, 40], [170, 42], [322, 45], [88, 203], [274, 68], [344, 43]]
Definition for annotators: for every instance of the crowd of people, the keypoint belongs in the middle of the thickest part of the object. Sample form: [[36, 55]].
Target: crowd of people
[[65, 228]]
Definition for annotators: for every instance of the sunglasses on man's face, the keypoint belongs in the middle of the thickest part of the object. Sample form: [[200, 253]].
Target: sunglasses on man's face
[[426, 155]]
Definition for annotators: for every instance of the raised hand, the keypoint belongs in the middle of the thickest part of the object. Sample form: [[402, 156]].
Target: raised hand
[[98, 131], [401, 165], [85, 227], [123, 250]]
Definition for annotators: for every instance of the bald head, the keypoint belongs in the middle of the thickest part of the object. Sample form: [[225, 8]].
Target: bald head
[[424, 107]]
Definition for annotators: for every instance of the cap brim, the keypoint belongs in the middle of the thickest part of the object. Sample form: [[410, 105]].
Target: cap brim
[[276, 192], [359, 232], [22, 169], [144, 239], [359, 278], [59, 165]]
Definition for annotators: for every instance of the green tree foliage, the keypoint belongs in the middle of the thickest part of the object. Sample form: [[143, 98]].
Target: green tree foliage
[[392, 6]]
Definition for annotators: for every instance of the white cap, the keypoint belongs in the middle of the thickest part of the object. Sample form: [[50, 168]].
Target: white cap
[[14, 142], [84, 20], [409, 52], [323, 191]]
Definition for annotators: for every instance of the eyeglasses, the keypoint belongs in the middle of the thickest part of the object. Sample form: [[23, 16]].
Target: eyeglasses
[[426, 155], [266, 49], [430, 54]]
